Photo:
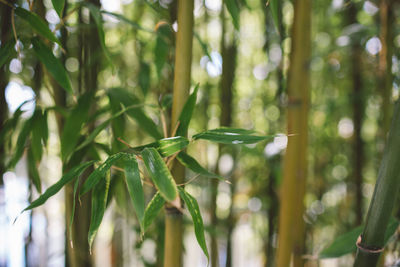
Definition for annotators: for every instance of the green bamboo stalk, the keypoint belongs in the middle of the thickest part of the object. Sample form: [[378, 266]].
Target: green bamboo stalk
[[173, 244], [383, 199]]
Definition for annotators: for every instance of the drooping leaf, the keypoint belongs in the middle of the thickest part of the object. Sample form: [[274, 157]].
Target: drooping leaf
[[194, 211], [234, 11], [21, 141], [159, 173], [203, 45], [73, 125], [100, 172], [166, 101], [6, 51], [37, 24], [192, 164], [33, 172], [71, 220], [10, 124], [127, 99], [99, 200], [53, 65], [144, 77], [153, 208], [96, 15], [346, 243], [186, 113], [134, 184], [40, 133], [231, 136], [162, 46], [58, 6], [101, 127], [52, 190], [166, 147], [275, 12], [126, 20]]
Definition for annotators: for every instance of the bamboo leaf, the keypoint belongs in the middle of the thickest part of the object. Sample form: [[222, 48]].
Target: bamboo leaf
[[186, 113], [6, 51], [126, 20], [144, 77], [134, 184], [53, 65], [166, 147], [127, 99], [21, 141], [194, 211], [346, 243], [58, 6], [192, 164], [100, 172], [153, 208], [52, 190], [99, 200], [234, 11], [203, 45], [40, 133], [159, 173], [37, 24], [161, 48], [96, 15], [71, 220], [231, 136], [275, 12], [73, 125], [33, 172]]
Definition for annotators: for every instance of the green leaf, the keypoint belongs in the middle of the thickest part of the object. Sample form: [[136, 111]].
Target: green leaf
[[40, 133], [100, 172], [153, 208], [127, 99], [144, 77], [203, 45], [6, 51], [134, 184], [186, 113], [346, 243], [99, 200], [96, 15], [73, 125], [161, 48], [58, 6], [101, 127], [234, 11], [193, 165], [71, 220], [274, 5], [21, 141], [166, 147], [33, 172], [194, 210], [37, 24], [126, 20], [231, 136], [52, 190], [10, 124], [53, 65], [159, 173]]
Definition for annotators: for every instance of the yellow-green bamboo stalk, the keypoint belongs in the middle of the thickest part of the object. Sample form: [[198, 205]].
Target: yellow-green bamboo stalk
[[291, 224], [183, 61]]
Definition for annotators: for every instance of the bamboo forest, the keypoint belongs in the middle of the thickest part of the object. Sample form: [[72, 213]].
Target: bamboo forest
[[199, 133]]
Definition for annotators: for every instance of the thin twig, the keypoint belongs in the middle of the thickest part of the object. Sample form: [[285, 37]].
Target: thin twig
[[170, 159], [15, 35], [190, 180], [164, 124], [176, 128], [124, 142], [64, 19]]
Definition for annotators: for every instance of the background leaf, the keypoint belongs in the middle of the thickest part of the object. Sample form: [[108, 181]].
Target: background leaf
[[192, 164], [53, 65], [194, 210], [99, 200], [6, 51], [166, 147], [33, 171], [37, 23], [134, 184], [58, 6], [234, 11], [159, 173], [275, 12]]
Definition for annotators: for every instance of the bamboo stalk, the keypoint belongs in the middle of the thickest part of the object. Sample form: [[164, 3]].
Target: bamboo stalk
[[383, 199], [291, 223], [183, 60]]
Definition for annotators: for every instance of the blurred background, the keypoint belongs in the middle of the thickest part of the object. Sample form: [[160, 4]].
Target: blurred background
[[354, 70]]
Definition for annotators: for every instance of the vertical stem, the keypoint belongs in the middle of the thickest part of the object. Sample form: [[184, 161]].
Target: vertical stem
[[183, 61], [291, 223]]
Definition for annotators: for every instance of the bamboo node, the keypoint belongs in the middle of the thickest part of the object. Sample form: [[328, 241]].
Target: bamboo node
[[367, 250]]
